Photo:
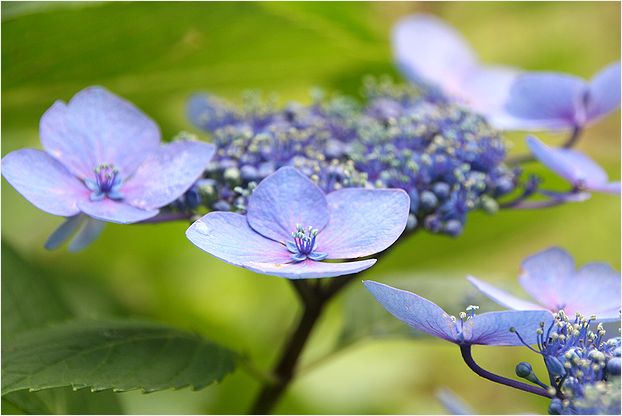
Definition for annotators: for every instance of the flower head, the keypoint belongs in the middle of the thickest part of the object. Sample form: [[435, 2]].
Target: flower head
[[553, 101], [581, 171], [428, 51], [103, 159], [552, 280], [291, 226], [491, 328]]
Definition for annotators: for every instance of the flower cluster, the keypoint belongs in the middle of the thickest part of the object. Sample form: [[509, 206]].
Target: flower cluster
[[446, 158]]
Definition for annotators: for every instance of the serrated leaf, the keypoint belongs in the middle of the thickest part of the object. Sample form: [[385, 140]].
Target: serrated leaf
[[29, 300], [61, 401], [119, 355]]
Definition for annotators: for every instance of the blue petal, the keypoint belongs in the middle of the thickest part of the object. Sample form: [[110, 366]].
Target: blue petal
[[309, 269], [427, 48], [604, 95], [317, 256], [547, 101], [91, 184], [545, 273], [502, 297], [283, 200], [97, 196], [417, 312], [114, 211], [44, 181], [363, 221], [167, 174], [64, 232], [86, 235], [291, 246], [227, 236], [97, 127], [298, 257], [493, 328]]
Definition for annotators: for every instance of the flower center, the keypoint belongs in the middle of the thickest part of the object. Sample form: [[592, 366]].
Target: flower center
[[464, 316], [107, 183], [304, 244]]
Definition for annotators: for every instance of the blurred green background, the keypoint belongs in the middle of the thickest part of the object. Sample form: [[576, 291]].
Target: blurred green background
[[156, 54]]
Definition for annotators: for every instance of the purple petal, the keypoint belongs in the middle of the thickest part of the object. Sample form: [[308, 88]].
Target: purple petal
[[86, 235], [284, 199], [592, 290], [604, 94], [570, 164], [426, 47], [167, 173], [609, 188], [44, 181], [486, 90], [309, 269], [547, 101], [115, 211], [502, 297], [227, 236], [493, 328], [64, 231], [417, 312], [98, 127], [363, 221], [544, 273]]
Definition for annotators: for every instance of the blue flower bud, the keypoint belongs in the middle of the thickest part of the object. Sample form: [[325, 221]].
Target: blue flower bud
[[441, 189], [613, 366], [554, 366], [222, 206], [523, 369], [453, 228], [556, 407], [414, 200], [428, 201]]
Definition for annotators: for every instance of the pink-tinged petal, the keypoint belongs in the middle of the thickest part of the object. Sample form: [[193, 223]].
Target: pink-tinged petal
[[44, 181], [228, 236], [604, 94], [608, 188], [283, 200], [419, 313], [486, 90], [363, 221], [493, 328], [309, 269], [592, 290], [115, 211], [547, 101], [98, 127], [167, 173], [428, 49], [544, 273], [502, 297], [570, 164]]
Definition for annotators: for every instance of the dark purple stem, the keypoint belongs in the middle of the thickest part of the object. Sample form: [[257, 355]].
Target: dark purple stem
[[465, 350]]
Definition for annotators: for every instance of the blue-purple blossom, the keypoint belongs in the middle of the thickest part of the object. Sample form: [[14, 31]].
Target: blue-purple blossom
[[430, 52], [291, 225], [550, 277], [582, 366], [554, 101], [578, 169], [103, 161], [491, 328]]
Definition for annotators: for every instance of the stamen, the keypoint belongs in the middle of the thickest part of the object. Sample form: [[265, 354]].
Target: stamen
[[304, 244], [107, 183]]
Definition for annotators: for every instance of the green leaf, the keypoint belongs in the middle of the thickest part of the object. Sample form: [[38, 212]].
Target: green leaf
[[61, 401], [118, 355], [29, 299]]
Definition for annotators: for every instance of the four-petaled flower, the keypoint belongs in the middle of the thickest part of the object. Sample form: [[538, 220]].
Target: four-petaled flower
[[427, 50], [491, 328], [291, 225], [103, 159], [581, 171], [554, 101], [553, 282]]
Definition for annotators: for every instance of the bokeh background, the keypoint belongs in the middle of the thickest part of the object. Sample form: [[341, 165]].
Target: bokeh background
[[157, 54]]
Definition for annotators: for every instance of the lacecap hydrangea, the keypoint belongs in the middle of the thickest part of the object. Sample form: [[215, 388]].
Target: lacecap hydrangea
[[448, 159]]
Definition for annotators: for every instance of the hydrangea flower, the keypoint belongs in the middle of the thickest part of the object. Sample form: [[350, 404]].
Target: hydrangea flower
[[491, 328], [554, 101], [552, 280], [291, 226], [581, 171], [103, 161], [582, 366], [428, 51]]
